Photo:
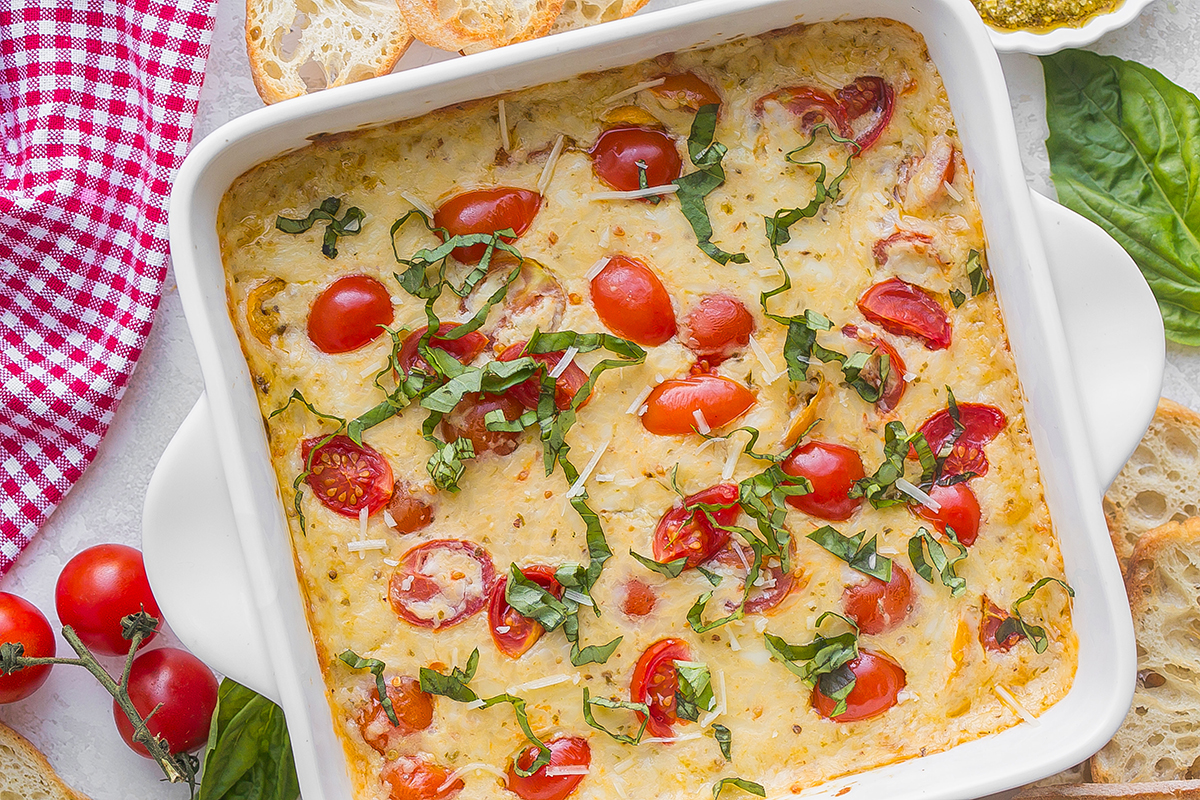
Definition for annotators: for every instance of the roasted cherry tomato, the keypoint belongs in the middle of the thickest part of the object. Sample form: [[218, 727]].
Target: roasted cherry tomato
[[672, 405], [639, 599], [894, 384], [959, 510], [418, 778], [409, 513], [868, 103], [351, 312], [469, 420], [773, 584], [811, 106], [97, 588], [570, 381], [877, 684], [487, 211], [441, 583], [632, 302], [832, 470], [981, 423], [513, 633], [21, 621], [913, 239], [718, 328], [181, 692], [347, 477], [876, 606], [413, 707], [907, 310], [686, 532], [565, 751], [655, 682], [464, 348], [927, 179], [617, 151], [989, 627], [687, 90]]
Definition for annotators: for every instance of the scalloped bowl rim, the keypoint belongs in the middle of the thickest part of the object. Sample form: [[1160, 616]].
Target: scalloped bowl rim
[[1041, 44]]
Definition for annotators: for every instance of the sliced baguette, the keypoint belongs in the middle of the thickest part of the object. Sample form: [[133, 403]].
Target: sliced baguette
[[25, 774], [1160, 738], [582, 13], [1158, 790], [1161, 480], [474, 25], [299, 46]]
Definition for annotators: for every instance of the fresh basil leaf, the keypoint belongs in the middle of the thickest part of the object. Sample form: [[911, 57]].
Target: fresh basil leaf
[[447, 464], [741, 783], [671, 569], [880, 488], [1018, 624], [976, 274], [249, 753], [1124, 150], [694, 692], [724, 740], [642, 710], [824, 656], [530, 600], [706, 155], [861, 557], [518, 704], [349, 225], [376, 667], [712, 577], [938, 560], [453, 685], [778, 226]]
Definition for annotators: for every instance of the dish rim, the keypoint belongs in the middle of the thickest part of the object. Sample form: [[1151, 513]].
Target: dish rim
[[1051, 41]]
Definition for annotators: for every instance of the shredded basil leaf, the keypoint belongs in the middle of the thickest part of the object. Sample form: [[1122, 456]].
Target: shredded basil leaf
[[880, 488], [724, 740], [671, 569], [695, 614], [851, 549], [530, 600], [712, 577], [694, 692], [376, 667], [1017, 624], [938, 560], [706, 155], [957, 297], [976, 274], [642, 710], [823, 660], [741, 783], [349, 225], [448, 462]]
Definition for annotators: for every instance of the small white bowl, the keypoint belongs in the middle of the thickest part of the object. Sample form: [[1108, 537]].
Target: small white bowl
[[1041, 44]]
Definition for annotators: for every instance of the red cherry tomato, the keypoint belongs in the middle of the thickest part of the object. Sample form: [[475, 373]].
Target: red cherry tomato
[[440, 583], [876, 606], [989, 626], [907, 310], [98, 587], [895, 384], [632, 302], [639, 599], [565, 751], [487, 211], [655, 682], [868, 102], [717, 328], [183, 690], [350, 313], [921, 242], [566, 385], [409, 512], [465, 348], [687, 90], [418, 778], [686, 533], [672, 405], [617, 151], [811, 106], [469, 420], [21, 621], [877, 684], [832, 469], [981, 424], [959, 510], [414, 711], [775, 584], [347, 477], [513, 633]]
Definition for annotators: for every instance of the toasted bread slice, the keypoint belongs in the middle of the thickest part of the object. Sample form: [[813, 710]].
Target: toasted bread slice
[[300, 46], [1160, 738], [1157, 790], [582, 13], [474, 25], [25, 774], [1161, 480]]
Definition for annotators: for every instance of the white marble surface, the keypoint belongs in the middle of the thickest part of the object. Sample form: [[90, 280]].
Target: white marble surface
[[70, 717]]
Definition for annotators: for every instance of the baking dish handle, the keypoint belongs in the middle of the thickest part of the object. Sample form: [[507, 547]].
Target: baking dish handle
[[1114, 332], [194, 558]]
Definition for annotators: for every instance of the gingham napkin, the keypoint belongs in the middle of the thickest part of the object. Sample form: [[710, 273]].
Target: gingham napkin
[[97, 100]]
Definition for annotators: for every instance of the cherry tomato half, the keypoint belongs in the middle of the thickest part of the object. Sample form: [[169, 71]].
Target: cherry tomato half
[[686, 90], [565, 751], [413, 707], [868, 102], [981, 424], [672, 405], [409, 513], [469, 420], [877, 684], [655, 682], [876, 606], [639, 599], [632, 302], [717, 328], [915, 240], [441, 583], [686, 532], [989, 626], [97, 588], [832, 470], [773, 586], [464, 348], [182, 693], [895, 384], [617, 151], [349, 313], [811, 106], [570, 381], [513, 633], [487, 211], [346, 477], [418, 778], [21, 621], [959, 510], [907, 310]]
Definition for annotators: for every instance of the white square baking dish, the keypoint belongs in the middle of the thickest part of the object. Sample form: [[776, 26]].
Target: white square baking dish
[[236, 600]]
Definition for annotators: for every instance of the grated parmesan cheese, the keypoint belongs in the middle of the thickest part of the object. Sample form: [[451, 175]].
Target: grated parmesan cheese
[[734, 644], [578, 597], [475, 767], [950, 190], [564, 362], [632, 90], [635, 194], [623, 766], [577, 487], [505, 142], [542, 683], [366, 544], [605, 477], [637, 401], [643, 410], [368, 371], [551, 163], [918, 495], [596, 268], [731, 460], [701, 422], [619, 784], [418, 203], [503, 629], [687, 737], [770, 373], [476, 703], [388, 519], [1009, 700], [362, 531], [552, 771], [391, 562]]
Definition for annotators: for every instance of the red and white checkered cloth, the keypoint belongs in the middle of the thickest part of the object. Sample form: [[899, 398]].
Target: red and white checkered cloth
[[97, 101]]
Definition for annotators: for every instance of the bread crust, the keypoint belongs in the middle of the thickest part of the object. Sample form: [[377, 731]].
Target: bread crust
[[481, 27], [1156, 790], [40, 781]]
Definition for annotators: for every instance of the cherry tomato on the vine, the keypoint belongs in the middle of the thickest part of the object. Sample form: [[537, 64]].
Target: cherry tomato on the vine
[[441, 583], [468, 420], [350, 312], [877, 684], [672, 405], [876, 606], [97, 588], [832, 469], [464, 348], [685, 532], [959, 510], [570, 381], [617, 151], [418, 778], [717, 328], [21, 621], [655, 682], [512, 632], [347, 477], [413, 707], [183, 690], [907, 310], [565, 751], [487, 211], [686, 90], [632, 302]]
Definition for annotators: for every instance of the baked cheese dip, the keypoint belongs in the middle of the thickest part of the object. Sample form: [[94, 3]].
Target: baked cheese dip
[[653, 433]]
